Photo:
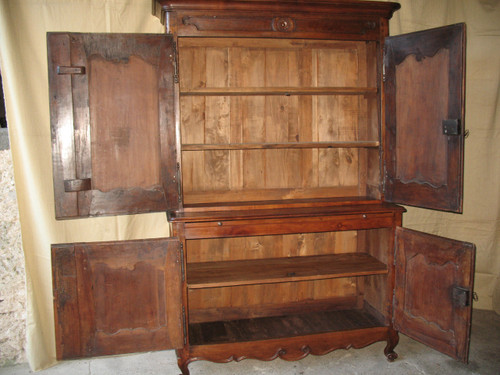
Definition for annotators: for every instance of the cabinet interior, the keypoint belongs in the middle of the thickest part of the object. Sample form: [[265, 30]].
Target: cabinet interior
[[272, 119], [322, 281]]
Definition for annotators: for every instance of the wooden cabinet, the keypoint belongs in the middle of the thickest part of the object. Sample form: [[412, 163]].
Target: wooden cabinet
[[278, 137]]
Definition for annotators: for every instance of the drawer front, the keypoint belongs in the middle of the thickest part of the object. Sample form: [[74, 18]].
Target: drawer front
[[237, 228], [276, 25]]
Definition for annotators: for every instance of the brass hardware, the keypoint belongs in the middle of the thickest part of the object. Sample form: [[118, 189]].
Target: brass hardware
[[70, 70], [451, 126]]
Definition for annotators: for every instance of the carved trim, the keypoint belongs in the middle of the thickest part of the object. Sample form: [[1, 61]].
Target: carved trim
[[289, 349]]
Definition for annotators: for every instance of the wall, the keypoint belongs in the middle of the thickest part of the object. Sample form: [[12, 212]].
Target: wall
[[12, 275]]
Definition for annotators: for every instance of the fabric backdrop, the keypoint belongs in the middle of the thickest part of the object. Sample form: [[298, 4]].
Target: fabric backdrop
[[23, 27]]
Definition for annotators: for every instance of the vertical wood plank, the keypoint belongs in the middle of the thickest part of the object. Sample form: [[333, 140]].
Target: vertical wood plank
[[62, 127]]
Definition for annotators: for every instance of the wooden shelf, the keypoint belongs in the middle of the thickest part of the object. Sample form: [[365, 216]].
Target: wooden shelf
[[280, 327], [276, 270], [283, 145], [244, 91]]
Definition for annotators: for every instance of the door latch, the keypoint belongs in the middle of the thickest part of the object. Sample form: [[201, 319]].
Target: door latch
[[451, 126], [461, 296]]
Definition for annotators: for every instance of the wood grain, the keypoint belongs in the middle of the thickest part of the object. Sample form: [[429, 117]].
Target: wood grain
[[117, 297], [280, 327], [120, 133], [429, 314], [268, 133], [426, 166], [278, 91], [275, 270]]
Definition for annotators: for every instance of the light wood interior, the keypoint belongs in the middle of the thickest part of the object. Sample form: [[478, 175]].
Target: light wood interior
[[247, 277], [267, 119]]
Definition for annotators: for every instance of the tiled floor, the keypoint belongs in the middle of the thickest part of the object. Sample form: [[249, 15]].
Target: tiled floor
[[414, 358]]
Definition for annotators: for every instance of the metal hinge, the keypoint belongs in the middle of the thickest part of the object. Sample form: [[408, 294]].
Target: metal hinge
[[184, 329], [63, 70], [179, 187], [182, 263], [80, 184], [384, 59], [176, 63]]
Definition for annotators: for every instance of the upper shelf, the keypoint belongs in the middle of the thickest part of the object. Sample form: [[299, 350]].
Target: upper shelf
[[244, 91], [277, 270], [278, 145]]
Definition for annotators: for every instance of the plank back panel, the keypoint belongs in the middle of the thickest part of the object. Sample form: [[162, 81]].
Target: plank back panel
[[243, 300], [258, 118]]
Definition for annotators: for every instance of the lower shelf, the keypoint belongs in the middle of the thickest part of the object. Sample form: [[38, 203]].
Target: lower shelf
[[281, 327]]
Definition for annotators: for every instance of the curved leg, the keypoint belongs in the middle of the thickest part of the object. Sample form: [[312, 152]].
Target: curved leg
[[182, 362], [392, 341]]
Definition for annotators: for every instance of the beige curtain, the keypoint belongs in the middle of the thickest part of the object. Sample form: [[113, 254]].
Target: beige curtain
[[23, 26]]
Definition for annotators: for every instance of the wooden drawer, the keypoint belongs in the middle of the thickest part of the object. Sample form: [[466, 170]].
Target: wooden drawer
[[236, 228]]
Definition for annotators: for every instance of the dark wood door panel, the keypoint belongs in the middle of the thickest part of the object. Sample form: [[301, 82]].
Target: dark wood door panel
[[117, 297], [425, 83], [433, 298], [113, 123]]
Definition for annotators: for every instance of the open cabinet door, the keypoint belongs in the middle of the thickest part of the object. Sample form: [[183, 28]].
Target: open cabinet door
[[117, 297], [424, 109], [113, 123], [433, 292]]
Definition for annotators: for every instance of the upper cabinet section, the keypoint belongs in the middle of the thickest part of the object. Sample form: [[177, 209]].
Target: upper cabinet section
[[358, 20], [113, 123], [424, 90]]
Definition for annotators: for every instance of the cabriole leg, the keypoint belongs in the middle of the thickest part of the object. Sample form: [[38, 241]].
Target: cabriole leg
[[182, 362], [392, 341]]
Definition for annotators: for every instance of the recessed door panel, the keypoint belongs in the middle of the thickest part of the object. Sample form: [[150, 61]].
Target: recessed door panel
[[433, 299], [424, 91], [117, 297], [113, 123]]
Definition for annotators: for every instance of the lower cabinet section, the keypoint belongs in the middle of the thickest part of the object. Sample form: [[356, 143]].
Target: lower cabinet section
[[290, 349], [342, 278]]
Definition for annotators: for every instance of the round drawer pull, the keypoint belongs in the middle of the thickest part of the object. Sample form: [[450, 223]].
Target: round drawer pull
[[283, 24], [364, 216], [219, 223]]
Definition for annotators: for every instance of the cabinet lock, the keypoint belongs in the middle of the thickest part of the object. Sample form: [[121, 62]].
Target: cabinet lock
[[461, 296], [451, 126]]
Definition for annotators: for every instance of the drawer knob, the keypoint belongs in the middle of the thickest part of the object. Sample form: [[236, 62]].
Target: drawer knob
[[219, 223], [364, 216], [283, 24]]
